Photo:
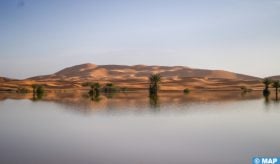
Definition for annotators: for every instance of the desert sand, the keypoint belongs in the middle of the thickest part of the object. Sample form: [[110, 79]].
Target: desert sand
[[174, 78]]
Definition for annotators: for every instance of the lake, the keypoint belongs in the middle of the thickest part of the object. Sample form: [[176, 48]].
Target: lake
[[131, 128]]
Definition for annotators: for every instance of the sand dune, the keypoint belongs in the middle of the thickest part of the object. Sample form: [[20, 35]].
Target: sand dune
[[275, 77], [136, 77], [98, 72], [4, 79]]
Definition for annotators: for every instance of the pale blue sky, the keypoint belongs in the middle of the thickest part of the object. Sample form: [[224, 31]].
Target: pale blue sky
[[41, 37]]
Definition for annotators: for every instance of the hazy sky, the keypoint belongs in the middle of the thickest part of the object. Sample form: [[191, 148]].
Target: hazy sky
[[42, 37]]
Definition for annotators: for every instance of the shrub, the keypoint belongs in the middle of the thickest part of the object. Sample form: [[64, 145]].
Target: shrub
[[85, 84], [22, 90], [124, 89], [40, 89], [245, 89], [110, 87], [186, 90]]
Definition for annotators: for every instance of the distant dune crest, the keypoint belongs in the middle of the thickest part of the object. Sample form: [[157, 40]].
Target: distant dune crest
[[90, 71], [4, 79], [274, 77]]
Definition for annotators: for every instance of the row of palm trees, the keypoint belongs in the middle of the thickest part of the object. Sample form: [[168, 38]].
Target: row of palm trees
[[95, 88], [155, 80], [154, 85]]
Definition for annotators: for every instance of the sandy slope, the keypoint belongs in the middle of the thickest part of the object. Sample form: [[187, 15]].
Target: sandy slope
[[93, 72], [136, 77]]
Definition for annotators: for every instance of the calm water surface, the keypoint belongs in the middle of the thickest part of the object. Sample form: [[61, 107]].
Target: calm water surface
[[131, 128]]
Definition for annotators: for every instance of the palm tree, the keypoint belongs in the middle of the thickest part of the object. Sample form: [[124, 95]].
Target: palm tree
[[276, 85], [266, 83], [155, 79]]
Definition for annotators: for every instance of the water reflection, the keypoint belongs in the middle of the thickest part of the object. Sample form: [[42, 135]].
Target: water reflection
[[276, 94], [154, 101], [92, 97], [137, 100], [266, 99], [267, 96], [109, 95], [243, 94], [96, 98], [37, 96], [28, 135]]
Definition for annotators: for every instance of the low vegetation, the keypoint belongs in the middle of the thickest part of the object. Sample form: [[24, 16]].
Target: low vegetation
[[124, 89], [22, 90], [245, 89], [110, 88], [186, 91], [38, 91], [95, 88]]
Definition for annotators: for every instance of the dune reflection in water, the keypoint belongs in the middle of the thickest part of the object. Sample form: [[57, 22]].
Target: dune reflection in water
[[82, 102]]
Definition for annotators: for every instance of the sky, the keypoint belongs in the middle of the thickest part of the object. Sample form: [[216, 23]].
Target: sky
[[42, 37]]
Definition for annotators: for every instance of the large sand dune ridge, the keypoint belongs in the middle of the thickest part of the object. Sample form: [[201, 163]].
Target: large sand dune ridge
[[136, 77]]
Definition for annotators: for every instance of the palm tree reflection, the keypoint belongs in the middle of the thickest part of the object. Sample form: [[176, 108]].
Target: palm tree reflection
[[266, 100], [154, 101]]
